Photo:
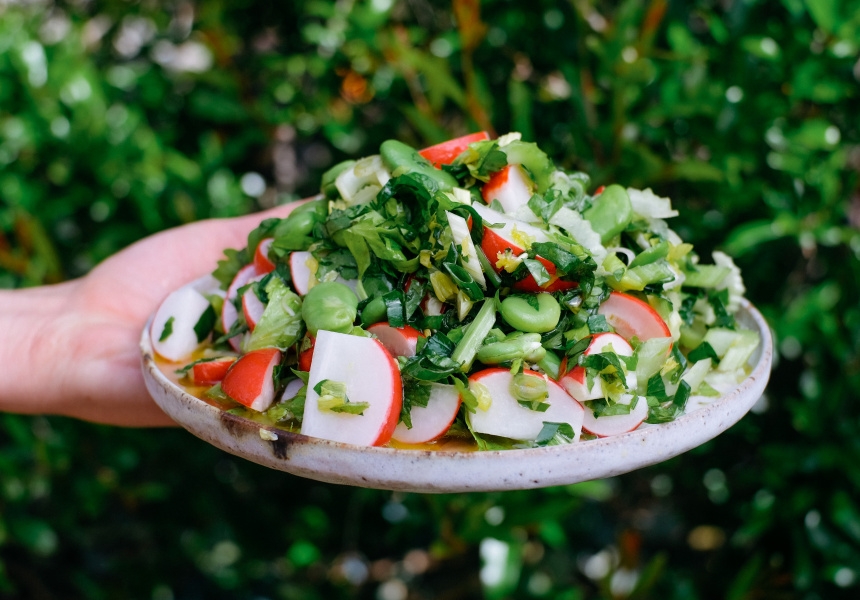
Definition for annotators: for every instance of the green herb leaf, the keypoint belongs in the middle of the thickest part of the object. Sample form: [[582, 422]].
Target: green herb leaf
[[168, 329]]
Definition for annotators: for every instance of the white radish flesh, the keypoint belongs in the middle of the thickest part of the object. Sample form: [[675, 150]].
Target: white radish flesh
[[370, 375], [575, 381], [399, 341], [505, 417], [229, 314], [607, 426], [511, 187], [172, 329], [434, 420]]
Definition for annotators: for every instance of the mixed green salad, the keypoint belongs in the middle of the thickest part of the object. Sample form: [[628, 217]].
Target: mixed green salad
[[471, 290]]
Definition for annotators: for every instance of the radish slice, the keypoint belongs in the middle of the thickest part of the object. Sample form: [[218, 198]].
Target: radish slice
[[211, 371], [301, 272], [306, 354], [229, 314], [432, 421], [252, 306], [575, 380], [514, 235], [370, 375], [261, 257], [617, 424], [446, 152], [507, 418], [172, 330], [399, 341], [632, 317], [510, 186], [250, 380], [304, 279], [292, 389]]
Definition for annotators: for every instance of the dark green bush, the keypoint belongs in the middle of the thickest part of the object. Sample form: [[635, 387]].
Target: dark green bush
[[121, 119]]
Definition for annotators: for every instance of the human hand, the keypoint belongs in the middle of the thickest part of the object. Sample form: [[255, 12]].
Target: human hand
[[72, 349]]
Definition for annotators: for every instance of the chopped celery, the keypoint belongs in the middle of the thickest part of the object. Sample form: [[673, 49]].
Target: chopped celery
[[696, 374], [650, 356], [740, 351], [477, 330], [706, 276]]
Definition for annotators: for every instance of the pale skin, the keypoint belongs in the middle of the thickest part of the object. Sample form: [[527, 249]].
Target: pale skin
[[72, 349]]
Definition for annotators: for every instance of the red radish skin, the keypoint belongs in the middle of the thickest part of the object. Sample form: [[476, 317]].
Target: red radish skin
[[511, 187], [303, 280], [507, 418], [632, 317], [433, 421], [229, 314], [261, 257], [575, 380], [300, 272], [370, 375], [616, 424], [306, 356], [497, 240], [446, 152], [399, 341], [212, 371], [249, 381], [252, 306]]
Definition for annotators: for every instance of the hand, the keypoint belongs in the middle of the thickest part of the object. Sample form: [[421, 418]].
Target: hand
[[72, 349]]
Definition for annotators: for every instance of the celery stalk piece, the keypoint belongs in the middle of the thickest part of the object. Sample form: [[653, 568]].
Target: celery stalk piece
[[478, 329]]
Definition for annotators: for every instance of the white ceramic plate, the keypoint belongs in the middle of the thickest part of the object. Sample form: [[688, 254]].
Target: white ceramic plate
[[439, 471]]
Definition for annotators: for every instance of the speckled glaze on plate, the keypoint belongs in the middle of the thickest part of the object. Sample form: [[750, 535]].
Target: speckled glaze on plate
[[437, 472]]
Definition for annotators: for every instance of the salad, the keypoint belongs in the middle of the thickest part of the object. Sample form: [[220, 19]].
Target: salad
[[467, 291]]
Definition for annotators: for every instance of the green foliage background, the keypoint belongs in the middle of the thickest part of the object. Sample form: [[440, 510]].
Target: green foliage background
[[118, 119]]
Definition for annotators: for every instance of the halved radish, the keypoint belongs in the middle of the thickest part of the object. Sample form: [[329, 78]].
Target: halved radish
[[252, 306], [250, 380], [616, 424], [632, 317], [507, 418], [292, 389], [446, 152], [303, 279], [173, 326], [261, 257], [306, 352], [575, 380], [399, 341], [432, 421], [211, 371], [370, 375], [229, 314], [510, 186], [496, 240]]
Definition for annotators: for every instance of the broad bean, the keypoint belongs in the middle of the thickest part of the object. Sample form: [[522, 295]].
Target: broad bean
[[519, 314], [524, 347], [374, 312], [330, 306]]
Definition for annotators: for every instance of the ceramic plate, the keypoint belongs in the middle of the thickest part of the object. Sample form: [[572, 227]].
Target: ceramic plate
[[444, 471]]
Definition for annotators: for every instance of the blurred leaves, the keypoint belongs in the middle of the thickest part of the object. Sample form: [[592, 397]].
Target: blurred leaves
[[120, 119]]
